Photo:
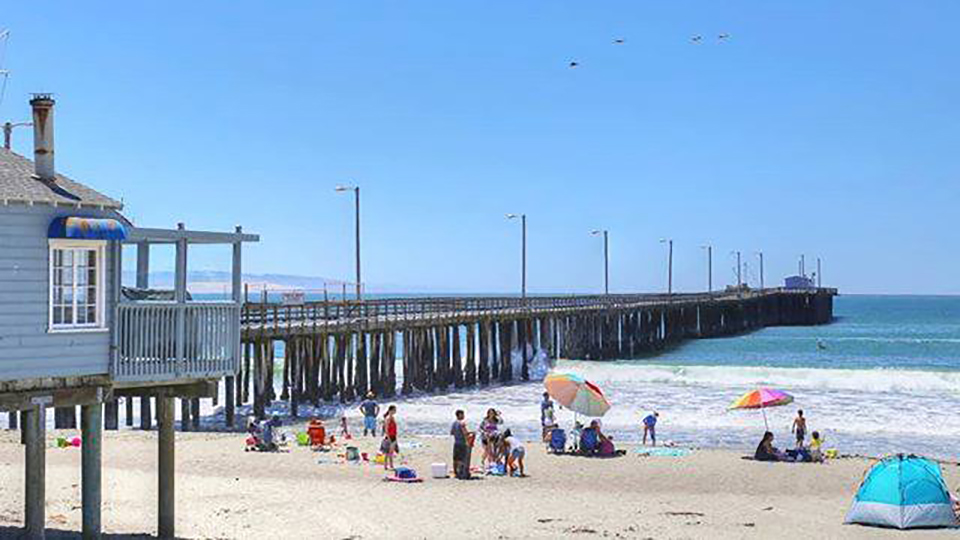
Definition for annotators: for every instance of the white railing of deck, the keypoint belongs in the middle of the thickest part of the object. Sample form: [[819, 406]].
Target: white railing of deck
[[161, 341]]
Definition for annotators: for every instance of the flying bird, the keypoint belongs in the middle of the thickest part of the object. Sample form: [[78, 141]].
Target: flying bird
[[696, 39], [574, 64], [723, 36], [618, 41]]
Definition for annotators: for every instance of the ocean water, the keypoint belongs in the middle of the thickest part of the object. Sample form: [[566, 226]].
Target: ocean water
[[887, 379]]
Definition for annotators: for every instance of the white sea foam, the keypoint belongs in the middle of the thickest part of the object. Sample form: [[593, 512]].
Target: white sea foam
[[866, 380]]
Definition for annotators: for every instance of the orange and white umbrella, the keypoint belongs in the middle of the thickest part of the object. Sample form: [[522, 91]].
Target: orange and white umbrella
[[577, 394]]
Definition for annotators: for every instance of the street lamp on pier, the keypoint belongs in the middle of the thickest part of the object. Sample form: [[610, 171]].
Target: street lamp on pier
[[356, 193], [523, 255], [606, 258]]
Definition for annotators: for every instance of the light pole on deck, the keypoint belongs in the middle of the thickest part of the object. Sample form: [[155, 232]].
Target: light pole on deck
[[523, 255], [356, 193], [606, 259], [669, 242], [709, 249], [739, 268], [819, 275], [760, 254]]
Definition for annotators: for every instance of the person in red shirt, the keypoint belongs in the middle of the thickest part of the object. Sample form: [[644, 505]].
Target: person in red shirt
[[389, 445]]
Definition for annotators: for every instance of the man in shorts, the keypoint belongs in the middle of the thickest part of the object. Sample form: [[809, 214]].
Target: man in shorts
[[370, 410], [461, 447], [800, 428]]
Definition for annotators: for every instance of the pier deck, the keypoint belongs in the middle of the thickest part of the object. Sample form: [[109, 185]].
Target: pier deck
[[338, 351]]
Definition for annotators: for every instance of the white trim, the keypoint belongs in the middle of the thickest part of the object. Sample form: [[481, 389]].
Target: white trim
[[99, 246]]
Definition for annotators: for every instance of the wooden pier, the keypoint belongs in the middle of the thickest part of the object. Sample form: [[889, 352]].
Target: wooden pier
[[338, 351]]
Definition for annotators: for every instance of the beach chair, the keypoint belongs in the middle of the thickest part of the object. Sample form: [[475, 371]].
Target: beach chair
[[317, 433], [589, 442], [558, 441]]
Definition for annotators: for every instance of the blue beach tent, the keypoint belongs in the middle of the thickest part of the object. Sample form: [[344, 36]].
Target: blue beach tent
[[903, 492]]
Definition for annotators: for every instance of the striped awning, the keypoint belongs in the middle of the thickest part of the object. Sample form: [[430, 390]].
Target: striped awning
[[81, 228]]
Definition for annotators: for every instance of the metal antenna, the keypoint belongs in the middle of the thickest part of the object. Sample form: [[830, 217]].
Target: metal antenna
[[4, 37]]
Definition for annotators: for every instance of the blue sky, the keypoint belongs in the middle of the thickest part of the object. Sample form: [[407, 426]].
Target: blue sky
[[824, 128]]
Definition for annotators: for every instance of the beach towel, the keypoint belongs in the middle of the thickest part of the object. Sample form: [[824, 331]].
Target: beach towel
[[664, 452], [403, 480]]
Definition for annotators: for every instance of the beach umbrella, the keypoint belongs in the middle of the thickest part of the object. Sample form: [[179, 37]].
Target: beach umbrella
[[577, 394], [761, 398]]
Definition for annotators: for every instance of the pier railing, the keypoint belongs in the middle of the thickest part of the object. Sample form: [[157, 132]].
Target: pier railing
[[159, 341], [276, 313]]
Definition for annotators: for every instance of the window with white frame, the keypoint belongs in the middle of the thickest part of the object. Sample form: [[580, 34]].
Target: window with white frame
[[77, 291]]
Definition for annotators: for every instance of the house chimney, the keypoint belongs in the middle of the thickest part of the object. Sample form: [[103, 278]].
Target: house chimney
[[43, 136]]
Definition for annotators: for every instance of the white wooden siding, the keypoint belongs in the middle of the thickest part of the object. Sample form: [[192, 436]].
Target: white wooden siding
[[27, 349]]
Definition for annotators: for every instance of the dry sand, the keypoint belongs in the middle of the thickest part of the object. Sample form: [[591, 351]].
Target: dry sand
[[223, 492]]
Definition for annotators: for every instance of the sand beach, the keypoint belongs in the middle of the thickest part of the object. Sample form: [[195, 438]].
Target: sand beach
[[224, 492]]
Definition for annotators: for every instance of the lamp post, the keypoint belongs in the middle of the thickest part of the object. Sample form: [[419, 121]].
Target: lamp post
[[739, 267], [356, 194], [760, 254], [606, 259], [669, 242], [819, 275], [523, 255], [709, 249]]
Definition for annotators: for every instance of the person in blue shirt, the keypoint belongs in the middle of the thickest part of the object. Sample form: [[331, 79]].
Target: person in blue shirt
[[650, 426], [370, 410]]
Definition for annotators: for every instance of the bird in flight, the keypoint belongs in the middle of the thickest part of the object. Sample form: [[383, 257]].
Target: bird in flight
[[696, 39], [574, 64], [618, 41], [723, 36]]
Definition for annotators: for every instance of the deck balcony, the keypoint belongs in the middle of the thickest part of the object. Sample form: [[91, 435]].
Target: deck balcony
[[163, 341], [167, 338]]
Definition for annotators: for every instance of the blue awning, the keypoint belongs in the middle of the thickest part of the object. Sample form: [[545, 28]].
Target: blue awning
[[81, 228]]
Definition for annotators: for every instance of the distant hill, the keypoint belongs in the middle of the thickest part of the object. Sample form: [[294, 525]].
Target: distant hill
[[213, 281]]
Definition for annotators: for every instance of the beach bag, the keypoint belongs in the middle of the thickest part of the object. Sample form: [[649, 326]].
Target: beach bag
[[558, 440], [386, 446], [607, 449], [405, 473], [353, 453], [303, 439]]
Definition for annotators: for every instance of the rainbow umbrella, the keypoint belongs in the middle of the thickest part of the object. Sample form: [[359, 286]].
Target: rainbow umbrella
[[577, 394], [761, 398]]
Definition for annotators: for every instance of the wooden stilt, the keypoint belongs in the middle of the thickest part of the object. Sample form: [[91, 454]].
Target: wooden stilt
[[166, 500], [146, 415], [112, 415], [35, 428], [91, 467]]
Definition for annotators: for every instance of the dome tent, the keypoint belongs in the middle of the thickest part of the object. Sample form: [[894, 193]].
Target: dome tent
[[903, 492]]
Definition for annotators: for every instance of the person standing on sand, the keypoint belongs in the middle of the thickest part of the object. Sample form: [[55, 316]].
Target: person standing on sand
[[370, 410], [650, 426], [545, 403], [461, 447], [389, 445], [800, 428]]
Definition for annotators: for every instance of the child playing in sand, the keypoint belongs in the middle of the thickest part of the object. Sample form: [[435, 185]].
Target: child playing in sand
[[816, 442], [515, 452], [650, 426], [344, 430]]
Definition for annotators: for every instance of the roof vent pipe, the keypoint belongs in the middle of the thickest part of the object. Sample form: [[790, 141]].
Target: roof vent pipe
[[43, 136]]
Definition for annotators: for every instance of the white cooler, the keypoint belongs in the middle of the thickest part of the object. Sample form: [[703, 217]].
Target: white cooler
[[438, 470]]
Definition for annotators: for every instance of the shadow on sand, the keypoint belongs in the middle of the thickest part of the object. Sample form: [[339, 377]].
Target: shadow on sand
[[7, 531]]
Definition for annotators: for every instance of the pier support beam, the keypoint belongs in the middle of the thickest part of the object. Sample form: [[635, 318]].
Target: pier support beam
[[165, 469], [91, 422], [34, 513]]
